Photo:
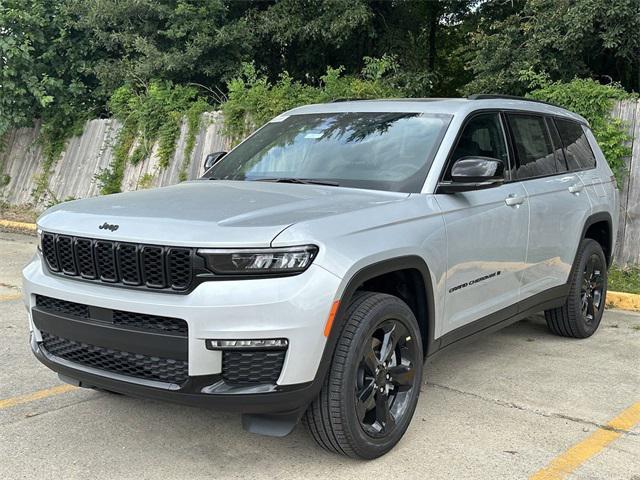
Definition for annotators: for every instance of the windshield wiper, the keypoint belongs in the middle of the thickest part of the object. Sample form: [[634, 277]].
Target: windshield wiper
[[306, 181]]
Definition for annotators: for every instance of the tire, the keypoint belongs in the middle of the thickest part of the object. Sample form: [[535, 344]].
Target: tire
[[582, 311], [339, 422]]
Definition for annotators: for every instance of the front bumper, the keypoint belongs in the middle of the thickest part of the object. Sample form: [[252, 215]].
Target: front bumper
[[295, 308], [195, 392]]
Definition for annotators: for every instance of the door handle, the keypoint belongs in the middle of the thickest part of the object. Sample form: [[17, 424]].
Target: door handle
[[576, 188], [514, 200]]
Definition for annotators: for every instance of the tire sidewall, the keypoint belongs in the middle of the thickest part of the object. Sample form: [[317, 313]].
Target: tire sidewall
[[587, 249], [365, 445]]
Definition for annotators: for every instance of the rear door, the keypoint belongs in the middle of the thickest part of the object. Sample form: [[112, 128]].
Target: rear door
[[580, 157], [486, 233], [557, 201]]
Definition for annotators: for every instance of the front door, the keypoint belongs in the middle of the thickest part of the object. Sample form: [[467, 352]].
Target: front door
[[486, 234]]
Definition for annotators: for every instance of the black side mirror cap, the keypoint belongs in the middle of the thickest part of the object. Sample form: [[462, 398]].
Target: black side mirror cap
[[212, 159], [474, 173]]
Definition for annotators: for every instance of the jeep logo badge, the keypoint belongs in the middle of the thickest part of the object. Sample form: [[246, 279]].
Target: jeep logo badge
[[108, 226]]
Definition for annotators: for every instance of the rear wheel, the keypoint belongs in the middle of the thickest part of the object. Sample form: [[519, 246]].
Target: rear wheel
[[371, 391], [582, 311]]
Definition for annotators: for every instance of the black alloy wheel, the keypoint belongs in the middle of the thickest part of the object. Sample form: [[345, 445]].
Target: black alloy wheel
[[371, 391], [592, 290], [580, 315], [385, 378]]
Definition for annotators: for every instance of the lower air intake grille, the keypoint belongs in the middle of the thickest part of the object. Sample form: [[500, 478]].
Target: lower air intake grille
[[140, 321], [123, 363], [150, 322], [62, 306], [252, 366]]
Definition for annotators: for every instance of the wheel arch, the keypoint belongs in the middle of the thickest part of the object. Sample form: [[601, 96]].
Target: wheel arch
[[599, 227], [407, 277]]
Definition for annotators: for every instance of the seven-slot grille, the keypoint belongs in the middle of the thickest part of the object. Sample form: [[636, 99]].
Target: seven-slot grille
[[129, 264]]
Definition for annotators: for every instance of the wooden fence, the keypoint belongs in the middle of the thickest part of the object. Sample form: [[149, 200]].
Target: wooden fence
[[86, 155], [628, 244]]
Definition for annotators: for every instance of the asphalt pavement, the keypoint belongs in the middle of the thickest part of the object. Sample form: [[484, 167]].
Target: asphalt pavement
[[520, 403]]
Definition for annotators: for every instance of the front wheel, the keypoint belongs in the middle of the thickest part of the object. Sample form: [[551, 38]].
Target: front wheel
[[582, 311], [371, 391]]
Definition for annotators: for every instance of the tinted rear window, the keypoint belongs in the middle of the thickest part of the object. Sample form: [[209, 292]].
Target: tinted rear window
[[577, 150], [561, 163], [533, 146]]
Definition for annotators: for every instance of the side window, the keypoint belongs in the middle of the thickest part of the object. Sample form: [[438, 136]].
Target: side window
[[532, 145], [482, 136], [576, 146], [561, 163]]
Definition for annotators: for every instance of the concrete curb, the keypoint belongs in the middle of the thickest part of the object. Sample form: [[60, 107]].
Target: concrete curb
[[20, 227], [623, 301]]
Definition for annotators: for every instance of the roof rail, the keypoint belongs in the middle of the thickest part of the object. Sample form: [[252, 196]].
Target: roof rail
[[489, 96], [347, 99]]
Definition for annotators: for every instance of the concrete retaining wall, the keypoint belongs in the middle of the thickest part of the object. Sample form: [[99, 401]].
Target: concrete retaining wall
[[85, 156]]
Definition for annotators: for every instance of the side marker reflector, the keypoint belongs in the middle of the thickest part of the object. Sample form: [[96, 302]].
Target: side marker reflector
[[332, 315]]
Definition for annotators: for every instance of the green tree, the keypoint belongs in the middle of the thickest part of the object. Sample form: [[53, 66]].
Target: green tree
[[183, 41], [561, 39], [43, 66]]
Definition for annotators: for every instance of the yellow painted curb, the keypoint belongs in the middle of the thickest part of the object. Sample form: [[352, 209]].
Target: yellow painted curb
[[624, 301], [21, 227]]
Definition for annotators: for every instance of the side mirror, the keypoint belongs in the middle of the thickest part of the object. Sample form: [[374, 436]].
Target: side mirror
[[212, 159], [474, 173]]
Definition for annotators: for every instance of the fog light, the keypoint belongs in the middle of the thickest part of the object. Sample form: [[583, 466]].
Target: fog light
[[258, 344]]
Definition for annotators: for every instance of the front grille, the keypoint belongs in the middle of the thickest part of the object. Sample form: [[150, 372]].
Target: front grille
[[140, 321], [251, 367], [124, 363], [128, 264]]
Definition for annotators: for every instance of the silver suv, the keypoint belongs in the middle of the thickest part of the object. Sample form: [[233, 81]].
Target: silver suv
[[315, 267]]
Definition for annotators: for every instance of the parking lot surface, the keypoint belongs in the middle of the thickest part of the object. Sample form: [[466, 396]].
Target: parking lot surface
[[520, 403]]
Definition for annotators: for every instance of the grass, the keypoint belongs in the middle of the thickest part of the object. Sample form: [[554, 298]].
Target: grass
[[20, 213], [624, 279]]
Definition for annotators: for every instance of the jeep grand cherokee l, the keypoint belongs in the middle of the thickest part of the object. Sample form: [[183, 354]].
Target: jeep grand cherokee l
[[314, 268]]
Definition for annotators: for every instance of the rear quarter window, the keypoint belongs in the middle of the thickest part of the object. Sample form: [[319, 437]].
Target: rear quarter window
[[577, 150]]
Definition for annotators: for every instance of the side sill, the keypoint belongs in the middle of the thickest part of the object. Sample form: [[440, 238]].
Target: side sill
[[551, 298]]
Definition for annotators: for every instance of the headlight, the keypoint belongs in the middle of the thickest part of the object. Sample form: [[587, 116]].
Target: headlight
[[259, 261]]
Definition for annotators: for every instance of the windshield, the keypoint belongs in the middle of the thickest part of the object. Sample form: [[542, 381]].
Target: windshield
[[381, 151]]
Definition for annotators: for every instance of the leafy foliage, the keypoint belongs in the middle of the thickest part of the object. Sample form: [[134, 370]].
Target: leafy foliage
[[43, 64], [253, 100], [149, 113], [62, 61], [182, 41], [43, 76], [559, 38], [594, 102]]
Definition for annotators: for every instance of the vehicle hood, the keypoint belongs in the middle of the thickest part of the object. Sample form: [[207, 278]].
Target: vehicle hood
[[207, 213]]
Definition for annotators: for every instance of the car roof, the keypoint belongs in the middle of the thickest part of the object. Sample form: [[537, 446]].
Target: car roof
[[450, 106]]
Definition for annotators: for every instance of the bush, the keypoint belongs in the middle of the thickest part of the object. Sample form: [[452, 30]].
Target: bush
[[148, 114], [253, 100]]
